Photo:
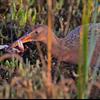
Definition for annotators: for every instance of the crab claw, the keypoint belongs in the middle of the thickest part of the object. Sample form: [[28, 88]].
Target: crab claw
[[17, 47], [3, 46], [20, 45]]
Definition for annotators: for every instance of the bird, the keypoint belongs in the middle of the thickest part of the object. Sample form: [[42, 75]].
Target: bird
[[64, 49]]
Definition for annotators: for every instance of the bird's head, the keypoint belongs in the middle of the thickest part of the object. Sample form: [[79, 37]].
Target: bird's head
[[39, 33]]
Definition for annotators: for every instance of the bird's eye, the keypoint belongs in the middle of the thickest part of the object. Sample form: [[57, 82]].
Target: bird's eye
[[36, 33]]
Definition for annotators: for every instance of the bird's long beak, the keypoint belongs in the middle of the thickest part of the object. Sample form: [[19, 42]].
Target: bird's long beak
[[23, 39], [26, 38]]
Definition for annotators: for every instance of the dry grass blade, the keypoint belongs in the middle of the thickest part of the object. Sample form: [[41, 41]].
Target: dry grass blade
[[49, 44], [8, 55], [41, 55], [69, 17]]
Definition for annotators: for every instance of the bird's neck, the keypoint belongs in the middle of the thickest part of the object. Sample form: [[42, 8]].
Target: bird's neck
[[62, 52], [58, 47]]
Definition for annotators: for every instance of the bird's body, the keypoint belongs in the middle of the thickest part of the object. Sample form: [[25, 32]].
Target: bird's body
[[72, 41], [65, 49]]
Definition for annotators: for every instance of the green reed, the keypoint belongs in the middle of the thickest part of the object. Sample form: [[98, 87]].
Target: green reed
[[83, 68], [85, 56]]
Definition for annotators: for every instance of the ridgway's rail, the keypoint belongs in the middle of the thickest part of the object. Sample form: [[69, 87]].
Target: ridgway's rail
[[65, 49]]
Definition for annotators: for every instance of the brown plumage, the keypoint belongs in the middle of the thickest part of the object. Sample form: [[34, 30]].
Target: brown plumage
[[65, 49]]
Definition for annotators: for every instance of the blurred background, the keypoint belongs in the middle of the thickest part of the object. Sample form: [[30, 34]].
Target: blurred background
[[28, 80]]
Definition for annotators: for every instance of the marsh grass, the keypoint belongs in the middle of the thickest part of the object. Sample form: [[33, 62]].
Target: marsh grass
[[31, 80], [85, 54]]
